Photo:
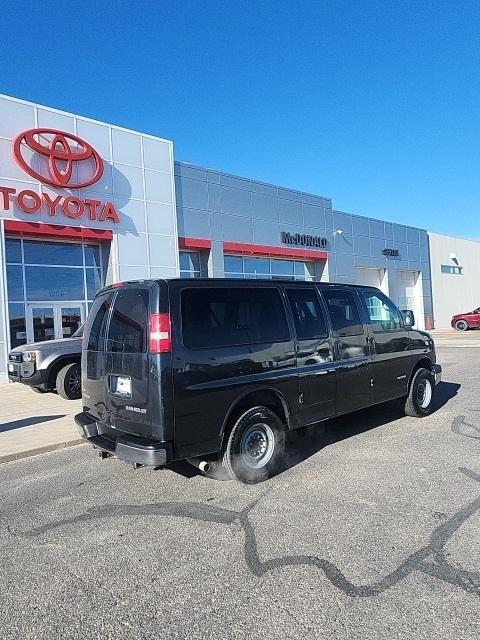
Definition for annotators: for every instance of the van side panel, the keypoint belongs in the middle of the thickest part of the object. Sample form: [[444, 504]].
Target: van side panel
[[208, 381]]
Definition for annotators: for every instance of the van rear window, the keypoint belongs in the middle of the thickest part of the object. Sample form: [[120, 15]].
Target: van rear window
[[220, 317], [127, 332], [95, 332]]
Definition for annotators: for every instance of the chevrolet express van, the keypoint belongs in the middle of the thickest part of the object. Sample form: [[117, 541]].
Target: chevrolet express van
[[217, 371]]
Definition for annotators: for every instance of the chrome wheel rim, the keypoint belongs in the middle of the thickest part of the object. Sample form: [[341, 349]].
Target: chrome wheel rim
[[257, 445], [75, 382], [424, 393]]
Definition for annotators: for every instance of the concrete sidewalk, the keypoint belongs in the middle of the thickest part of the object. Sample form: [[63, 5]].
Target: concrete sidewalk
[[33, 423]]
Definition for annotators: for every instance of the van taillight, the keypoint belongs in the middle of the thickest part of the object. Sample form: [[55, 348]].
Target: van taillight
[[159, 339]]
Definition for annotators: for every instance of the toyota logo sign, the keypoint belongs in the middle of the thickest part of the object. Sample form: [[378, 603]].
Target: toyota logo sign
[[63, 160], [62, 151]]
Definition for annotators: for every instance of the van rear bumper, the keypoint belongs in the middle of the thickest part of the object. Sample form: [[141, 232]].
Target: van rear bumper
[[127, 447]]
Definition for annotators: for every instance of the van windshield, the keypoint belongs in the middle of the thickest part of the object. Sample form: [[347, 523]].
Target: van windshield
[[127, 331]]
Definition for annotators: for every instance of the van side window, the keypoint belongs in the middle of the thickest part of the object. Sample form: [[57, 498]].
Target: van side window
[[99, 313], [383, 314], [307, 313], [343, 313], [128, 325], [220, 317]]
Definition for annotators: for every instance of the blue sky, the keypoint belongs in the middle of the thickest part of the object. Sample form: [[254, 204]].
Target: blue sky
[[375, 104]]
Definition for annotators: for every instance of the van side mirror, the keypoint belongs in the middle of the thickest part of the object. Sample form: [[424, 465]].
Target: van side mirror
[[408, 318]]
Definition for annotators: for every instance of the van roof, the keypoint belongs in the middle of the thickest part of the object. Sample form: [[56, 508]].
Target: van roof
[[253, 281]]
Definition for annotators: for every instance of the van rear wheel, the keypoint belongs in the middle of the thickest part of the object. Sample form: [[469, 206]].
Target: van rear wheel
[[69, 382], [255, 446], [419, 402]]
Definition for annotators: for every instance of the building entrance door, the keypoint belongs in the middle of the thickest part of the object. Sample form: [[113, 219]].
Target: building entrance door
[[46, 321]]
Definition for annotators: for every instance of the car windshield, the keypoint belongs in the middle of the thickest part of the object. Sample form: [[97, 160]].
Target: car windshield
[[79, 332]]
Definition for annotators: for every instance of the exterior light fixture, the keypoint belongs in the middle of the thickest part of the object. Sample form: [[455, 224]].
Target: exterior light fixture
[[454, 258]]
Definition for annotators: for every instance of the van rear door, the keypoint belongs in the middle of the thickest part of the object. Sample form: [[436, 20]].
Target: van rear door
[[122, 380]]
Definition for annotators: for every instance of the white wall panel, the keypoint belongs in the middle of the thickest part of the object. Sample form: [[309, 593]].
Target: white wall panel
[[454, 293], [138, 177]]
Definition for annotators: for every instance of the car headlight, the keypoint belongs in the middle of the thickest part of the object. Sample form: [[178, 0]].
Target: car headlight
[[29, 356]]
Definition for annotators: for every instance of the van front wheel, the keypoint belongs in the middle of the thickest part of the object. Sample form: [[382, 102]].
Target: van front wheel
[[419, 402], [255, 446]]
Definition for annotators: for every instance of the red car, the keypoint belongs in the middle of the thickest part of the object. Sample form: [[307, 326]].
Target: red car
[[465, 321]]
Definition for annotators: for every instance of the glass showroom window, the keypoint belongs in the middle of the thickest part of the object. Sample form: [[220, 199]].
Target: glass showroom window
[[189, 264], [268, 268], [48, 272]]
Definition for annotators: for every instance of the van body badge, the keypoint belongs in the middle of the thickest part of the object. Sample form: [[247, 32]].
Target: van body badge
[[135, 409]]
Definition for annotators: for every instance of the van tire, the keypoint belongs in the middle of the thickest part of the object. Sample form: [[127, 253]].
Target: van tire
[[68, 383], [255, 446], [419, 402]]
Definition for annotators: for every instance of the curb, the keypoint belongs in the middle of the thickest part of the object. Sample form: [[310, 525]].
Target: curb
[[11, 457]]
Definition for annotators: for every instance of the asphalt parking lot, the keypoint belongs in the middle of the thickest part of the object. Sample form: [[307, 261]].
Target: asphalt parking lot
[[372, 532]]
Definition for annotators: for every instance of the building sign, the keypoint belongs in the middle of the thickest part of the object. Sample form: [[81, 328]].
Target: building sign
[[391, 253], [304, 240], [60, 160], [60, 155]]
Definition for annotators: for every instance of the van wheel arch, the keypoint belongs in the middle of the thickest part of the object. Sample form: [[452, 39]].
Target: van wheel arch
[[266, 397], [424, 363]]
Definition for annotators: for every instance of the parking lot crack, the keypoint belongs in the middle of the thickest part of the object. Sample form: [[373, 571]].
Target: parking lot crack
[[429, 559]]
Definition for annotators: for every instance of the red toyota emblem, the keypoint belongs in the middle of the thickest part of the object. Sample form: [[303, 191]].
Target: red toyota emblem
[[62, 150]]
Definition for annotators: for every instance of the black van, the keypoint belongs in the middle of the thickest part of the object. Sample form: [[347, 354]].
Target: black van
[[216, 371]]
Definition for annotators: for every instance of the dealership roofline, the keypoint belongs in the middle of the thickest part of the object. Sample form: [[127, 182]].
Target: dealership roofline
[[446, 235], [85, 118]]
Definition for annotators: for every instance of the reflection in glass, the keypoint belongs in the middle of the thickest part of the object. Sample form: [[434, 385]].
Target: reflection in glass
[[283, 268], [18, 329], [13, 250], [304, 270], [383, 315], [189, 264], [55, 253], [92, 255], [256, 267], [94, 282], [43, 324], [15, 282], [54, 283], [233, 264], [71, 320], [238, 267]]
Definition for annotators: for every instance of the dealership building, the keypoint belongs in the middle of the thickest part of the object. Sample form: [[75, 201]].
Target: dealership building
[[85, 203]]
